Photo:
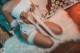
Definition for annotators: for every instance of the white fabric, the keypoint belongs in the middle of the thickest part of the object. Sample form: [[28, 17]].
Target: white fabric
[[69, 28], [42, 23], [19, 21], [31, 37], [24, 5], [70, 32], [37, 26], [27, 28], [38, 17], [14, 24]]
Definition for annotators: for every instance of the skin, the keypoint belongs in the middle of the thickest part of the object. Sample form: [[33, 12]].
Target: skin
[[40, 39]]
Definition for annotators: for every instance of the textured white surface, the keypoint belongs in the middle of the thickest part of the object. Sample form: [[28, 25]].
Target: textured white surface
[[70, 32]]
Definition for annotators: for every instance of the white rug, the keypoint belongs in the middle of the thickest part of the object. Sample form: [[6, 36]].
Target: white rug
[[70, 32]]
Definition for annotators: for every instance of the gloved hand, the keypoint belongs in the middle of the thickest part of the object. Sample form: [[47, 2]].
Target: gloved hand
[[14, 24]]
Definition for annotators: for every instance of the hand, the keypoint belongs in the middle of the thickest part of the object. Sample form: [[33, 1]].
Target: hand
[[24, 15], [44, 13], [32, 7]]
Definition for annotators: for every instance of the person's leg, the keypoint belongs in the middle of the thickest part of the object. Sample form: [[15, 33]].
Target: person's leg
[[56, 29], [40, 40]]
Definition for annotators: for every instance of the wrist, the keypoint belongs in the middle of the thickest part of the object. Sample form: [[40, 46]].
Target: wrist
[[14, 24]]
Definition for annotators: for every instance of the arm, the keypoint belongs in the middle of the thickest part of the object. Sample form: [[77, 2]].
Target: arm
[[7, 16], [6, 10]]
